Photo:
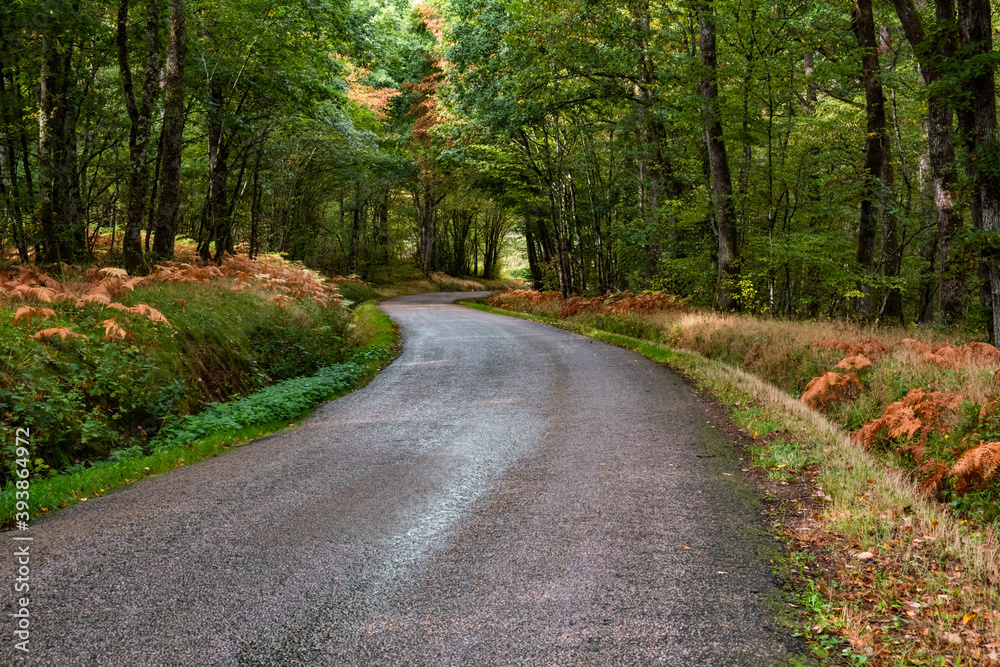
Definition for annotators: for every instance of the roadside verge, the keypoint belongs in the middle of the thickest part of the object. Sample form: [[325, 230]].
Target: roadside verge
[[882, 575], [221, 426]]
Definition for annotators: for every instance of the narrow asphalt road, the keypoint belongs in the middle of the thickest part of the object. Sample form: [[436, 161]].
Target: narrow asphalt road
[[505, 493]]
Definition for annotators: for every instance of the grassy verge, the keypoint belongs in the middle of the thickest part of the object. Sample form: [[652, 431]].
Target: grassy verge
[[220, 426], [882, 574], [96, 362]]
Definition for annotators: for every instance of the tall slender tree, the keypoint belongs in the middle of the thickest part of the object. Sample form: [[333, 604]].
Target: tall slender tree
[[876, 202], [174, 118], [140, 113], [975, 31], [718, 159]]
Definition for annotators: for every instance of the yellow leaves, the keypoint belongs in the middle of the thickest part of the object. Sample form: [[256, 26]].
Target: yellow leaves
[[970, 616]]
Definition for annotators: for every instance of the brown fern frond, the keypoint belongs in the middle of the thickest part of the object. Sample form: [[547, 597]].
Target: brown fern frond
[[934, 474], [916, 416], [62, 332], [101, 298], [976, 466], [854, 363], [871, 348], [829, 388], [151, 313], [30, 314], [113, 331], [832, 344]]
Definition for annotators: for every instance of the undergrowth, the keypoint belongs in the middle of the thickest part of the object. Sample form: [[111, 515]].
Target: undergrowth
[[183, 440], [95, 362]]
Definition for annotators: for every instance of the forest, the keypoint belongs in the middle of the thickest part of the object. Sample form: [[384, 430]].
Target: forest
[[788, 158]]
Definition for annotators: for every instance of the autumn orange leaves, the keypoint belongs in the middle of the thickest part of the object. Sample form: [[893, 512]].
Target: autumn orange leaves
[[96, 286], [282, 283], [906, 425], [622, 303]]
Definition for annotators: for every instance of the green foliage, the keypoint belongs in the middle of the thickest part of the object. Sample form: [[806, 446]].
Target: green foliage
[[85, 398], [629, 325], [357, 292], [188, 439], [281, 402]]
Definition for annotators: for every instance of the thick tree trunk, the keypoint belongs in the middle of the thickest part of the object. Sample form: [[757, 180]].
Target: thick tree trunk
[[976, 39], [878, 168], [47, 142], [218, 172], [537, 277], [427, 203], [382, 228], [931, 51], [354, 254], [140, 127], [722, 185], [892, 250], [12, 120], [173, 135]]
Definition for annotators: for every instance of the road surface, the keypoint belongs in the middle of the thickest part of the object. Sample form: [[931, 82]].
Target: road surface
[[505, 493]]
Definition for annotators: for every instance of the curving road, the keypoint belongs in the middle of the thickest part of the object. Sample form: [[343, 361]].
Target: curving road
[[505, 493]]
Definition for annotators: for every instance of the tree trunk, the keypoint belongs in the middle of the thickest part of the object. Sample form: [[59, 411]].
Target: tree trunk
[[382, 228], [722, 185], [140, 127], [892, 251], [931, 51], [977, 43], [254, 246], [218, 172], [47, 141], [173, 135], [12, 120], [353, 256], [877, 150], [537, 277], [68, 173]]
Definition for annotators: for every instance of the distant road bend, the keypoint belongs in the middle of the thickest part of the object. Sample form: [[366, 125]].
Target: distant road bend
[[505, 493]]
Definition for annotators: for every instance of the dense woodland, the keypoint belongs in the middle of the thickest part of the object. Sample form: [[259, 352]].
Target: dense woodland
[[793, 158]]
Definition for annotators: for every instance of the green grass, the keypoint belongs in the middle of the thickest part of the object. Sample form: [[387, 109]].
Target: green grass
[[220, 427]]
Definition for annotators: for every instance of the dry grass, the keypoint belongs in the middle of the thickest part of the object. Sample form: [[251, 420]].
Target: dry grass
[[859, 376], [908, 583], [280, 280]]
